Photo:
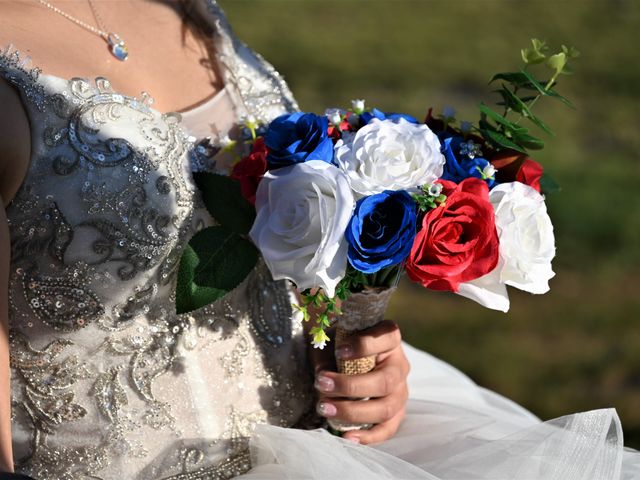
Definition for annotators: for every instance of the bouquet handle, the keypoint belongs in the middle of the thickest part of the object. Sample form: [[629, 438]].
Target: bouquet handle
[[359, 311]]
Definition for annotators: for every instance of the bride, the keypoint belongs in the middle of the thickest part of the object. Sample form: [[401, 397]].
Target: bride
[[106, 381]]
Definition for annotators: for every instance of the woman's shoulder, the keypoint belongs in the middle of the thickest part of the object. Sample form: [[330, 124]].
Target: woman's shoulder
[[15, 130], [15, 141]]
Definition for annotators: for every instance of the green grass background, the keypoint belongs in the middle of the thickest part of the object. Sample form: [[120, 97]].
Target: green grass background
[[578, 347]]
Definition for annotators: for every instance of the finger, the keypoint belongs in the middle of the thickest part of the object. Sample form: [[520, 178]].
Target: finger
[[377, 410], [385, 379], [379, 433], [381, 338]]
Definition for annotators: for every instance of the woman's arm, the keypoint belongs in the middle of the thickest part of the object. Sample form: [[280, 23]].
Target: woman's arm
[[6, 461], [15, 152]]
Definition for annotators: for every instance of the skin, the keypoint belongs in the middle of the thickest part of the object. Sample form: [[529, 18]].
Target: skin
[[154, 31], [385, 385]]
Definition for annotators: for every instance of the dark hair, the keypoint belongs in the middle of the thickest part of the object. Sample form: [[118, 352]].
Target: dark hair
[[193, 23]]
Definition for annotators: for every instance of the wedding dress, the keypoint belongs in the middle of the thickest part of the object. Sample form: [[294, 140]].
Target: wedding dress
[[109, 383]]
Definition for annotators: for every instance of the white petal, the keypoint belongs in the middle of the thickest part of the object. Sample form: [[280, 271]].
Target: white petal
[[488, 291]]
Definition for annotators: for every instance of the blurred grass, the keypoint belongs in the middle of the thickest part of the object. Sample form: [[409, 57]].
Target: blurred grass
[[577, 348]]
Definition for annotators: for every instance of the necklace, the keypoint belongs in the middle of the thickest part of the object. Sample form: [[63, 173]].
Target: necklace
[[117, 47]]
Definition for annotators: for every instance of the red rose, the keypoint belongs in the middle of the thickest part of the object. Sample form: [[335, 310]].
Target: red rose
[[250, 169], [530, 173], [458, 241], [513, 166]]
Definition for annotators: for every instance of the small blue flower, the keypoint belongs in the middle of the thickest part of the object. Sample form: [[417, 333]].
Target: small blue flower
[[366, 117], [464, 160], [296, 138], [381, 231]]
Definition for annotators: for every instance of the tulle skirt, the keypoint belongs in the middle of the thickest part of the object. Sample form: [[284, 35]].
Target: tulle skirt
[[454, 430]]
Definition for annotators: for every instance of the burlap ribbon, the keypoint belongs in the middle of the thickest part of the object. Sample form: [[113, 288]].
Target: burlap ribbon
[[359, 311]]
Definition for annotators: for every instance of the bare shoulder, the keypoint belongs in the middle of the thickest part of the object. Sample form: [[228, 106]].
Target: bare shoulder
[[15, 142]]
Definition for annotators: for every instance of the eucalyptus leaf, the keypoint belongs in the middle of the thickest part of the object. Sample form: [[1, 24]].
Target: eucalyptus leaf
[[539, 45], [570, 51], [224, 201], [557, 62], [531, 57]]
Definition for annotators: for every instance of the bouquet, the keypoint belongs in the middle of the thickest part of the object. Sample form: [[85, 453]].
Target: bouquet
[[342, 203]]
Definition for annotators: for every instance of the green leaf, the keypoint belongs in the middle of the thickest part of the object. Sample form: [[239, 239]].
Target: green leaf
[[215, 261], [190, 296], [528, 141], [570, 51], [522, 79], [531, 57], [532, 83], [557, 62], [550, 92], [548, 185], [225, 203], [539, 45], [556, 95], [500, 140], [496, 117], [519, 106]]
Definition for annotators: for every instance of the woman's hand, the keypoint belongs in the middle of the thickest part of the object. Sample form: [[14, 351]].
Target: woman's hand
[[386, 384]]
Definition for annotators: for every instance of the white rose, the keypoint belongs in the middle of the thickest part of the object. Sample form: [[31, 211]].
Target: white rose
[[527, 246], [302, 214], [390, 155]]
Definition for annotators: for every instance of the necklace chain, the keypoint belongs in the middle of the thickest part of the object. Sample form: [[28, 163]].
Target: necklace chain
[[86, 26], [116, 45]]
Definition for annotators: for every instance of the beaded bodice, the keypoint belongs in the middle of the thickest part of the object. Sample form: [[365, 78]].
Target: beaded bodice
[[107, 381]]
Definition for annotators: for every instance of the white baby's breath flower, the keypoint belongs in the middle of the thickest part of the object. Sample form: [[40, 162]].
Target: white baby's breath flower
[[489, 171], [357, 105], [225, 142], [390, 155], [302, 214], [435, 189], [320, 344], [334, 115]]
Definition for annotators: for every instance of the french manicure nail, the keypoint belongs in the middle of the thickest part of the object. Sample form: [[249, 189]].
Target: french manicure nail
[[324, 384], [327, 409], [344, 351]]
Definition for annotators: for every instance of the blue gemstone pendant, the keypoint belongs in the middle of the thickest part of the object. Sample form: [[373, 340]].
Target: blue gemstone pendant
[[117, 47]]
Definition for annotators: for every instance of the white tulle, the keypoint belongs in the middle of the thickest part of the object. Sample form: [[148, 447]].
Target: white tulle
[[455, 430]]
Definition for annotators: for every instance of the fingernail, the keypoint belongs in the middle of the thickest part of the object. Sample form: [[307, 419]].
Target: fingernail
[[344, 351], [324, 384], [327, 409], [353, 439]]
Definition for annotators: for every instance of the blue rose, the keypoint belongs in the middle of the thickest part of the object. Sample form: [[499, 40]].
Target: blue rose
[[296, 138], [463, 160], [381, 231], [366, 117]]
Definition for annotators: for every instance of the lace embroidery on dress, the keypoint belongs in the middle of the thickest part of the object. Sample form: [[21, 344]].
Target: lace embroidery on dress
[[107, 381]]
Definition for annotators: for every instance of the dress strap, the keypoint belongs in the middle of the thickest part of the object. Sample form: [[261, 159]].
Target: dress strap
[[256, 88], [15, 68]]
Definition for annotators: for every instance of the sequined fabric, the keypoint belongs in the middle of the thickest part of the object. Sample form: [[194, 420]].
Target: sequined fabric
[[107, 381]]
